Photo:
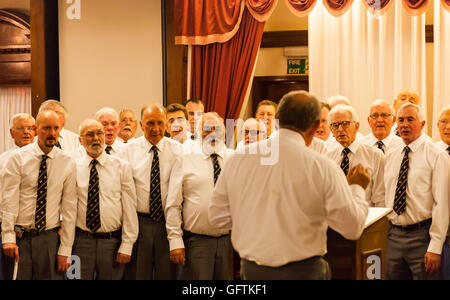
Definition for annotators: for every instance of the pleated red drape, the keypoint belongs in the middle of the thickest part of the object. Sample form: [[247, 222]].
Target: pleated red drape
[[221, 72]]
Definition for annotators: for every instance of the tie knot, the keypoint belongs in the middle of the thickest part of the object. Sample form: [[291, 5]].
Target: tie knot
[[94, 162], [448, 149], [108, 149], [44, 158], [155, 149], [380, 143], [407, 150], [346, 151]]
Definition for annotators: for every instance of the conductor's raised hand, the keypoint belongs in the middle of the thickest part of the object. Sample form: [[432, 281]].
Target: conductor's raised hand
[[358, 175]]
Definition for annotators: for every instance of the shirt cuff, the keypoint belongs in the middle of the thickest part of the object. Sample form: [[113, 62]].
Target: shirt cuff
[[126, 248], [9, 238], [435, 246], [65, 251], [176, 243]]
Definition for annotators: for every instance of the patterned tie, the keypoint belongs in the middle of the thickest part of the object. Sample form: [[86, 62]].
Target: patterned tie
[[448, 150], [108, 150], [156, 211], [41, 203], [397, 133], [400, 191], [192, 137], [217, 168], [345, 161], [380, 145], [93, 203], [58, 145]]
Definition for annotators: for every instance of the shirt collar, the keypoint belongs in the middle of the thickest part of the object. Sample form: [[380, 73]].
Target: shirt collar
[[160, 146], [101, 159], [353, 147], [414, 146], [290, 135], [39, 151]]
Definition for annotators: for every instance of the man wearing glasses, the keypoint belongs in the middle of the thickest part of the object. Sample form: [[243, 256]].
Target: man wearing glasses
[[381, 120], [349, 152]]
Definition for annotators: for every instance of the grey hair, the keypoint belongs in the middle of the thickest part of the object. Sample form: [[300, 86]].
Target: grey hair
[[417, 107], [299, 109], [106, 111], [86, 123], [446, 108], [21, 116], [342, 108], [333, 99], [382, 102], [49, 104]]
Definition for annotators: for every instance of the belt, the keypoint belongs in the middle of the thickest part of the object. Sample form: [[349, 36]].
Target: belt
[[187, 234], [416, 226], [22, 233], [100, 235], [148, 216]]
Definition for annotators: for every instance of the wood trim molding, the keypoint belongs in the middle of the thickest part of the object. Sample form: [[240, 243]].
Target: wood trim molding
[[280, 39]]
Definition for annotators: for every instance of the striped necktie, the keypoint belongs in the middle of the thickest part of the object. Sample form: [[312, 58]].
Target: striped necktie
[[93, 203], [58, 145], [41, 203], [345, 161], [156, 211], [400, 191], [380, 145], [108, 150], [448, 150], [216, 166]]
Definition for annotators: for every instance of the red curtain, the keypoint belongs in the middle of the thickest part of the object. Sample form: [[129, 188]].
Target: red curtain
[[416, 7], [337, 7], [446, 4], [221, 73], [377, 7], [261, 9], [301, 8], [201, 22]]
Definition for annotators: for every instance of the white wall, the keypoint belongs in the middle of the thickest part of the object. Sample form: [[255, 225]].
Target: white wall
[[111, 56]]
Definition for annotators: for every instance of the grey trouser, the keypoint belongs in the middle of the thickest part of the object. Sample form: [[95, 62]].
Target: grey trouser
[[207, 257], [98, 255], [405, 254], [150, 258], [37, 256], [314, 268]]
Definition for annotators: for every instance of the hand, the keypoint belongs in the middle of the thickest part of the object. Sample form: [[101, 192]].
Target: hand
[[178, 256], [63, 263], [11, 250], [358, 175], [432, 262], [123, 258]]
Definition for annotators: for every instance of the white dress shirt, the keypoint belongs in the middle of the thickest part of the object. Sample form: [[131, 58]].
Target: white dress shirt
[[390, 142], [280, 213], [69, 141], [3, 160], [427, 191], [319, 146], [116, 147], [117, 197], [20, 193], [187, 203], [139, 154], [442, 145], [372, 159]]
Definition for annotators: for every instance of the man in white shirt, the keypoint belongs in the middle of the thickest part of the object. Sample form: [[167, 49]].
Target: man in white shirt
[[344, 123], [279, 219], [265, 111], [107, 224], [195, 110], [127, 125], [324, 132], [381, 119], [416, 180], [40, 199], [444, 144], [177, 123], [203, 250], [404, 96], [109, 118], [68, 140], [22, 132], [253, 131], [156, 161]]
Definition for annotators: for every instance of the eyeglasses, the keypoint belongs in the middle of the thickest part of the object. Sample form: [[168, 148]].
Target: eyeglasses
[[344, 124], [22, 128], [253, 132], [384, 116], [91, 135]]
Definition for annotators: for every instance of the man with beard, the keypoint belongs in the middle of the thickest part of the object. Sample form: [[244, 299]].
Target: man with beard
[[107, 224], [127, 126], [22, 131], [204, 251], [109, 118], [40, 200]]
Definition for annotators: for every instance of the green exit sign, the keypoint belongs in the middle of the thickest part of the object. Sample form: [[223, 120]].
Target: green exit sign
[[297, 66]]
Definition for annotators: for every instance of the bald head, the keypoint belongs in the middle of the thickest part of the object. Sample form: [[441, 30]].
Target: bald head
[[48, 127], [153, 122]]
